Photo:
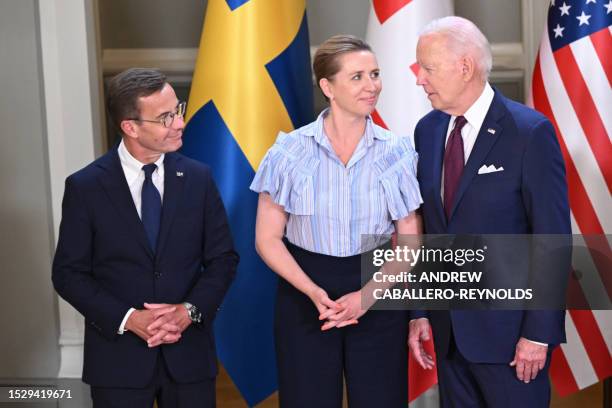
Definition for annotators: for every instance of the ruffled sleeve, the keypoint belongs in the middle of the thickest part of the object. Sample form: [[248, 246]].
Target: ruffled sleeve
[[397, 174], [287, 174]]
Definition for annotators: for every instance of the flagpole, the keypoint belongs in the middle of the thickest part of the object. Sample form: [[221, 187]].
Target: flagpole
[[607, 393]]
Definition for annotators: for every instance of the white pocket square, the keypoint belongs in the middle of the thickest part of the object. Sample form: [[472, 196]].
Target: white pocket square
[[489, 169]]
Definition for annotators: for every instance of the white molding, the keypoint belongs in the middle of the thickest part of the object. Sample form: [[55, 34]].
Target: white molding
[[94, 41], [508, 56], [71, 115], [181, 61], [71, 356], [534, 14], [508, 76], [172, 61]]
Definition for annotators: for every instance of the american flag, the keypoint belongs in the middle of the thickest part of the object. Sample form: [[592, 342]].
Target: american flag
[[572, 87]]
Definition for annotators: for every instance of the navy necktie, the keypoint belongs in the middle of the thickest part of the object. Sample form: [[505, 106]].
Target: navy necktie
[[151, 206], [453, 164]]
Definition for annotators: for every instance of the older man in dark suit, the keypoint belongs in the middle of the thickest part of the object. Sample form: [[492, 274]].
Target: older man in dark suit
[[146, 255], [487, 165]]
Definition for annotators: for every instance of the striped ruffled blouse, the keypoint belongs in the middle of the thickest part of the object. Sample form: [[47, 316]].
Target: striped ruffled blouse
[[331, 205]]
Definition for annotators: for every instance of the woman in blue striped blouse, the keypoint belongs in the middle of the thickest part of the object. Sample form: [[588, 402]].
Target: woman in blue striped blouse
[[322, 187]]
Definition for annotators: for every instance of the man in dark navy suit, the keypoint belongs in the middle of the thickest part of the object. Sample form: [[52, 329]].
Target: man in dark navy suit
[[145, 254], [487, 165]]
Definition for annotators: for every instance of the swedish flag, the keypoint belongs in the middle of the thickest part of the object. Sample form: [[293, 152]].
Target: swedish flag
[[252, 79]]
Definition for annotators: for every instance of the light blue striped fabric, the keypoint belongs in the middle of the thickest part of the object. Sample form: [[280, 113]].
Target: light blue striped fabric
[[330, 206]]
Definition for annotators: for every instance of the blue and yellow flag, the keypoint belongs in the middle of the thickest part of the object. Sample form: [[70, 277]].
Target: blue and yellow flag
[[252, 79]]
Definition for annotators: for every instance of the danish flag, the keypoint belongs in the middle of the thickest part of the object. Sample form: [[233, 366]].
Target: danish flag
[[393, 32]]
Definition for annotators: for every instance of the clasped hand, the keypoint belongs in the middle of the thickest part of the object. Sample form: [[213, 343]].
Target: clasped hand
[[340, 312], [159, 323]]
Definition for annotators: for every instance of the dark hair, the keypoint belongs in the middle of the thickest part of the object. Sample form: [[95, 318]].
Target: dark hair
[[326, 60], [125, 88]]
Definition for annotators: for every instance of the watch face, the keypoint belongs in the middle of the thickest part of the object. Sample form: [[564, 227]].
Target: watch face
[[194, 314]]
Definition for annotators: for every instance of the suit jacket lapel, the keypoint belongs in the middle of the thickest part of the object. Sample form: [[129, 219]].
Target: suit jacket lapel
[[484, 142], [174, 179], [439, 134], [118, 192]]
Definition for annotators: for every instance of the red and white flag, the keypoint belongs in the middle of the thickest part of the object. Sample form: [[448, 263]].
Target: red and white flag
[[393, 31], [572, 87]]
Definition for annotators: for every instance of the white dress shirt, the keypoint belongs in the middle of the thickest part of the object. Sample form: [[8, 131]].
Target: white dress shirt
[[134, 175], [474, 116]]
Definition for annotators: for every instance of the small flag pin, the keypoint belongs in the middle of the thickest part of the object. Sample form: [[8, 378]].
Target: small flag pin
[[491, 131], [179, 174]]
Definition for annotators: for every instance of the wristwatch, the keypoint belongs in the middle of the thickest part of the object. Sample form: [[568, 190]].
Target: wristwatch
[[194, 314]]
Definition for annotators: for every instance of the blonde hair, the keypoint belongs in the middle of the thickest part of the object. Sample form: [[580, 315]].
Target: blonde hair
[[326, 62]]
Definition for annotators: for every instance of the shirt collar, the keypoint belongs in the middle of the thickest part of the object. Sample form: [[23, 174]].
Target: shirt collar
[[476, 114], [132, 167], [370, 133]]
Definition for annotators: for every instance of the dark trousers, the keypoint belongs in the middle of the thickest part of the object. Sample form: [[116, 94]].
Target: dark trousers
[[162, 389], [371, 355], [463, 384]]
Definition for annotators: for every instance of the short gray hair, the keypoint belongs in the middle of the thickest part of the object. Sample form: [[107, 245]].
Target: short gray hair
[[463, 37]]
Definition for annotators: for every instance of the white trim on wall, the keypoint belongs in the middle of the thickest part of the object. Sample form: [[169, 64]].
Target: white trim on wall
[[181, 61], [534, 14], [72, 113], [508, 56], [172, 61]]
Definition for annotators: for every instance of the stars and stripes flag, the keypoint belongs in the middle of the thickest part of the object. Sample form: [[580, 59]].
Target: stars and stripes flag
[[393, 31], [572, 87]]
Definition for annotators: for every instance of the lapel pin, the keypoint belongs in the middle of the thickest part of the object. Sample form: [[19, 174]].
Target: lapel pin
[[491, 131], [179, 174]]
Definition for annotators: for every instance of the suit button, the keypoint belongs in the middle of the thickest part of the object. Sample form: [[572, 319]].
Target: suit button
[[158, 274]]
